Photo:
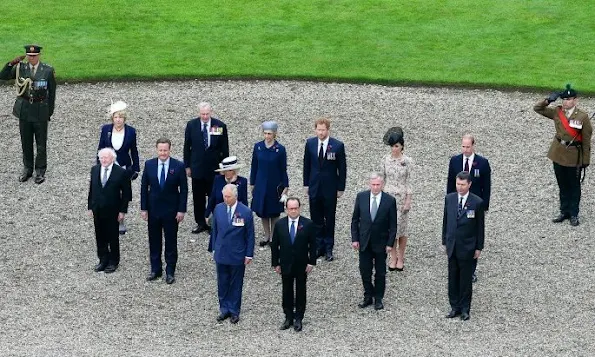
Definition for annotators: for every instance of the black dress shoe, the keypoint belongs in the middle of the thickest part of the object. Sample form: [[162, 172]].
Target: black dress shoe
[[234, 319], [378, 305], [222, 317], [452, 314], [329, 258], [574, 221], [169, 279], [154, 276], [199, 229], [286, 324], [110, 268], [391, 269], [297, 325], [474, 278], [560, 218], [25, 175], [464, 316], [365, 303], [100, 267], [39, 179]]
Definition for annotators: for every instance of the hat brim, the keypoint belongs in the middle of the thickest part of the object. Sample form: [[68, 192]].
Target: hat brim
[[230, 168], [32, 53]]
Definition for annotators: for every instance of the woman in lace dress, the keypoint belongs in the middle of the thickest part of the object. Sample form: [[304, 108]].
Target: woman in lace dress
[[396, 169]]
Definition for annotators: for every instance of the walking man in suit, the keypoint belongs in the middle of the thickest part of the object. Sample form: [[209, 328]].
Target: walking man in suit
[[109, 193], [205, 146], [232, 242], [480, 174], [293, 255], [462, 238], [163, 196], [36, 93], [373, 233], [325, 172]]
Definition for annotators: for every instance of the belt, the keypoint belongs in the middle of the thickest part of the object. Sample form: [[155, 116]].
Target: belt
[[32, 100], [569, 143]]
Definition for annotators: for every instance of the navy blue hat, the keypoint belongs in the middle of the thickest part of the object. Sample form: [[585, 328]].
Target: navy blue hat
[[32, 50], [568, 93]]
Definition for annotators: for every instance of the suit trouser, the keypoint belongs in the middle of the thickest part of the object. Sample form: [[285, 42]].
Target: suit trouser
[[230, 281], [322, 210], [107, 236], [569, 184], [368, 260], [158, 228], [201, 188], [31, 130], [460, 287], [288, 301]]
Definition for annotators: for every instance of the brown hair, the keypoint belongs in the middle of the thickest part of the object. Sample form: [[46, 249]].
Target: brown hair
[[323, 121], [163, 141]]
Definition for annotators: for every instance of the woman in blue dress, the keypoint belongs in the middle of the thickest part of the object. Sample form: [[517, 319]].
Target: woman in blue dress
[[228, 168], [268, 179]]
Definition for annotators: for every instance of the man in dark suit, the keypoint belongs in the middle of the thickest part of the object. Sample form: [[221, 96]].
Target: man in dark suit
[[462, 237], [163, 196], [325, 172], [373, 233], [293, 255], [36, 94], [109, 193], [479, 171], [232, 242], [205, 145]]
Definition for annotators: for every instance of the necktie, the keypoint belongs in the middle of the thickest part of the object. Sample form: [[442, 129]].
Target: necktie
[[33, 70], [162, 176], [104, 177], [292, 231], [374, 208], [229, 213], [466, 167], [460, 206], [321, 154], [205, 135]]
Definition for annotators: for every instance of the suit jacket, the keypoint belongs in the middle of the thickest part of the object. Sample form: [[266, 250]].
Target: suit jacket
[[116, 193], [166, 202], [379, 233], [232, 242], [481, 177], [293, 258], [42, 92], [559, 153], [463, 233], [328, 178], [203, 162], [128, 153]]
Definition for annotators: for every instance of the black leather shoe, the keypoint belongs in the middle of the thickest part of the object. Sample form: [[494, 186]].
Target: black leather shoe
[[574, 221], [378, 305], [39, 179], [474, 278], [169, 279], [297, 325], [452, 314], [222, 317], [560, 218], [100, 267], [329, 257], [110, 268], [286, 324], [464, 316], [154, 276], [199, 229], [365, 303], [234, 319], [25, 175], [391, 269]]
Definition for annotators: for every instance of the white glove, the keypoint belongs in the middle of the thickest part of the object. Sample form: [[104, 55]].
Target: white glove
[[283, 199]]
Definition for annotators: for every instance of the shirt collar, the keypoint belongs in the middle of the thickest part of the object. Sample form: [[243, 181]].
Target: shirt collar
[[166, 162], [109, 168], [471, 157], [325, 141]]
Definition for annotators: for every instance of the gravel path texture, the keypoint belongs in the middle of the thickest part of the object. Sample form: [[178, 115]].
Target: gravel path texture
[[534, 296]]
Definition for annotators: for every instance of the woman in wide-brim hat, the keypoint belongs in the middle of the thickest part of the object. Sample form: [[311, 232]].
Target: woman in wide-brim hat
[[396, 168], [228, 168], [122, 138]]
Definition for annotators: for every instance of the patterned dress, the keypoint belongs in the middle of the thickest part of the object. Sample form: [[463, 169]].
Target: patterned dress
[[397, 183]]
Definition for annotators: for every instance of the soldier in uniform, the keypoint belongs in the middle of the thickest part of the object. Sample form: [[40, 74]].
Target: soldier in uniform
[[570, 149], [36, 93]]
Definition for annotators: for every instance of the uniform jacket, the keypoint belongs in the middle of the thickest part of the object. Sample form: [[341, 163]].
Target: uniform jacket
[[558, 152], [128, 153], [166, 202], [326, 179], [463, 234], [293, 258], [116, 193], [203, 162], [378, 233], [481, 177], [233, 241]]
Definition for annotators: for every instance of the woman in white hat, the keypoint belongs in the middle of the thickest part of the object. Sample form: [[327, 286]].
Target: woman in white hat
[[122, 138], [229, 174]]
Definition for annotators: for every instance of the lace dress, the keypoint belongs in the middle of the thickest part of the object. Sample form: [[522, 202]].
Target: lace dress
[[397, 182]]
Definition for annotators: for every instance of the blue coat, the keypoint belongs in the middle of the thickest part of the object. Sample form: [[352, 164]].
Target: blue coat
[[268, 175], [329, 178], [128, 153], [166, 202], [232, 243], [481, 177], [203, 162], [216, 195]]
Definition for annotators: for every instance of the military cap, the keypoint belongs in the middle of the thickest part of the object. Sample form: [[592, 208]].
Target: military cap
[[397, 130], [32, 50], [568, 93]]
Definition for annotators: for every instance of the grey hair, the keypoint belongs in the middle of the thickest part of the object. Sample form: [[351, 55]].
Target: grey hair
[[375, 176], [232, 188], [205, 105], [110, 151]]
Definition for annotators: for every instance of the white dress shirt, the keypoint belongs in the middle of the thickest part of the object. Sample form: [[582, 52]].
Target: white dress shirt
[[160, 167], [202, 124], [471, 158], [324, 145], [289, 220], [464, 199], [378, 196], [109, 172]]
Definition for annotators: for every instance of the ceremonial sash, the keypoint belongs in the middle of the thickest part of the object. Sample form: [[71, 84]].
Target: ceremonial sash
[[575, 133]]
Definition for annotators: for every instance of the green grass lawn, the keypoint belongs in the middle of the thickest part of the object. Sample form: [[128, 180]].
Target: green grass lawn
[[499, 43]]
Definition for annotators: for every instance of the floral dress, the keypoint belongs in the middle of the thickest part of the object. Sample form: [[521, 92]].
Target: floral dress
[[397, 183]]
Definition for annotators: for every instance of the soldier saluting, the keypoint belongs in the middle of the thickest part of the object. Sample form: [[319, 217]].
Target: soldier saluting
[[570, 149], [35, 84]]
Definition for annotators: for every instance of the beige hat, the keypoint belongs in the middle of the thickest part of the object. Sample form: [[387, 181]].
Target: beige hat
[[229, 163], [117, 107]]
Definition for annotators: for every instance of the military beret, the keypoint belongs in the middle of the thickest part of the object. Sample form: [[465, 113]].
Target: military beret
[[568, 93], [270, 125], [394, 130], [32, 50]]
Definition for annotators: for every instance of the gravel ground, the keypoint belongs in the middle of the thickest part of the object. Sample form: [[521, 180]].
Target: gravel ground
[[534, 296]]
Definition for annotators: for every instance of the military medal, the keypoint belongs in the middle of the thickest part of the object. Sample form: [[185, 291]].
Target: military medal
[[471, 213]]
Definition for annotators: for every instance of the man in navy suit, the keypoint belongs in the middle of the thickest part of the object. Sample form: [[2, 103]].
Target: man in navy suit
[[205, 145], [462, 237], [163, 196], [325, 172], [479, 171], [373, 233], [293, 255], [232, 242]]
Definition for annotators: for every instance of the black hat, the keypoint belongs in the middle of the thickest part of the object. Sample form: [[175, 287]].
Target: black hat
[[394, 130], [568, 93], [32, 50]]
